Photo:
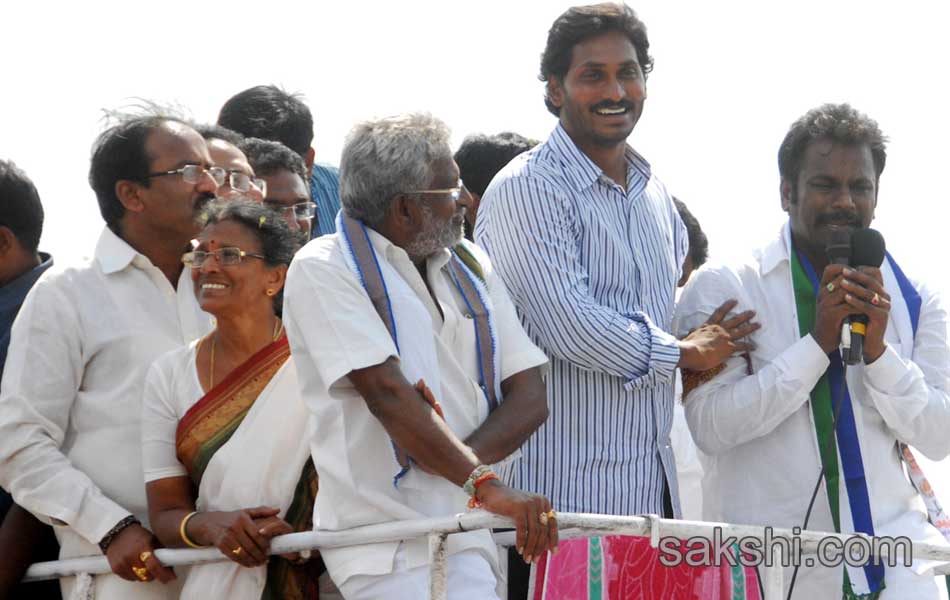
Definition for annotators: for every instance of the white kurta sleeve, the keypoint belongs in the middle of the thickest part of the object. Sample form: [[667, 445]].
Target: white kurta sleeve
[[331, 323], [42, 376], [912, 395], [735, 407]]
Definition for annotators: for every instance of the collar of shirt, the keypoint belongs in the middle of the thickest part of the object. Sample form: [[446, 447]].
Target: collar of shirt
[[393, 253], [582, 172], [113, 253], [13, 293], [427, 294], [777, 252]]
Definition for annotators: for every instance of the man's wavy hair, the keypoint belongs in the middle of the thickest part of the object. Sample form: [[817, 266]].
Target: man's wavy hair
[[835, 122], [581, 23]]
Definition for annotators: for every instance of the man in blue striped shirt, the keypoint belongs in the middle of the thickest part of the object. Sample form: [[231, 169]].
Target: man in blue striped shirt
[[589, 243], [268, 112]]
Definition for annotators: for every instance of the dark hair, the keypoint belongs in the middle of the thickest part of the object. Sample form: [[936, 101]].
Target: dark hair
[[119, 153], [267, 225], [217, 132], [20, 208], [839, 123], [698, 242], [480, 157], [278, 242], [267, 157], [268, 112], [580, 23]]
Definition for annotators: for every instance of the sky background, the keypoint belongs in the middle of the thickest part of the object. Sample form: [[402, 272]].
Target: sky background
[[729, 79]]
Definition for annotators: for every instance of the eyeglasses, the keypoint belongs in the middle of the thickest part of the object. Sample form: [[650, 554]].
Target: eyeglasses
[[454, 193], [193, 173], [299, 211], [242, 182], [226, 257]]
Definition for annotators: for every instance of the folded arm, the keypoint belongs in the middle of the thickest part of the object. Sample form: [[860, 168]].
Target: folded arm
[[912, 395]]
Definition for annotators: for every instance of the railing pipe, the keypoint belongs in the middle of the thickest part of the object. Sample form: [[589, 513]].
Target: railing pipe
[[571, 525]]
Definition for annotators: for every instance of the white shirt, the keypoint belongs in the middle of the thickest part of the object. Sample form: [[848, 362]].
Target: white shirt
[[71, 401], [333, 330], [689, 468], [757, 431]]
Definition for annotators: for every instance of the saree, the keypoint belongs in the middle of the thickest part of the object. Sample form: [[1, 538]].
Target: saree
[[245, 443], [621, 567]]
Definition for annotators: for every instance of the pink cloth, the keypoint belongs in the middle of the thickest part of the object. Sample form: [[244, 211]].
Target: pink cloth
[[627, 568]]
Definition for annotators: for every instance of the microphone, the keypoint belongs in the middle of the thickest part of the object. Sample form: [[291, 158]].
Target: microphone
[[838, 252], [867, 250]]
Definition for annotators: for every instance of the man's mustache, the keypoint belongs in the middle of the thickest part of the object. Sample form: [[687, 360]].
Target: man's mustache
[[841, 216]]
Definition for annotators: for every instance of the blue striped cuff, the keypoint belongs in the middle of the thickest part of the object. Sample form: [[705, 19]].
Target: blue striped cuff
[[664, 354]]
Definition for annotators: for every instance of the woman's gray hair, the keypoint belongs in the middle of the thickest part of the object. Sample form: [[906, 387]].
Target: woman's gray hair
[[387, 157]]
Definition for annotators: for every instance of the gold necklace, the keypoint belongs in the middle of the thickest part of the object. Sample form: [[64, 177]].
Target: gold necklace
[[278, 329]]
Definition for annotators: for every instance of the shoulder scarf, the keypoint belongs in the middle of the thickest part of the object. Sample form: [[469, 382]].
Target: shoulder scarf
[[845, 444], [466, 274], [210, 423]]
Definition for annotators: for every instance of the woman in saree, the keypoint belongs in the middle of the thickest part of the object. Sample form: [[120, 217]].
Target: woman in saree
[[225, 447]]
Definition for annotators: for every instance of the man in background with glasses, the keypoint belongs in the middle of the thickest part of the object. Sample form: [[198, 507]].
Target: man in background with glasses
[[70, 445], [234, 174], [285, 177], [270, 113]]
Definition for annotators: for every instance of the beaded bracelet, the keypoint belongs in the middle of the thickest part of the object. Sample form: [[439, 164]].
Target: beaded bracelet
[[469, 486], [693, 379], [473, 501], [184, 534], [108, 538]]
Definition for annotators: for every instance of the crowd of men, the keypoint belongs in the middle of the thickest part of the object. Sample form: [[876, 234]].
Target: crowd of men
[[529, 368]]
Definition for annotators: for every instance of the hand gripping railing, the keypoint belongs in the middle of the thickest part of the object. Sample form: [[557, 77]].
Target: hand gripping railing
[[571, 525]]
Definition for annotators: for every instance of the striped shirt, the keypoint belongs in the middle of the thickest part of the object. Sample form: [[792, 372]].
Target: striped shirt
[[592, 269], [325, 191]]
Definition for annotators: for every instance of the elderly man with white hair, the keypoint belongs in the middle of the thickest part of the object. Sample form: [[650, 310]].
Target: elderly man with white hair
[[415, 367]]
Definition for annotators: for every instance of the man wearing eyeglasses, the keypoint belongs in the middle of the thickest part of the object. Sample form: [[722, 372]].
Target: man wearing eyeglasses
[[413, 363], [233, 173], [285, 177], [70, 442]]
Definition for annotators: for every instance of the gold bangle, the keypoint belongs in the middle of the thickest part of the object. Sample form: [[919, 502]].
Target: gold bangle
[[181, 530]]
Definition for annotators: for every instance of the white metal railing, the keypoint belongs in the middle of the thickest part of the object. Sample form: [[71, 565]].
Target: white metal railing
[[571, 525]]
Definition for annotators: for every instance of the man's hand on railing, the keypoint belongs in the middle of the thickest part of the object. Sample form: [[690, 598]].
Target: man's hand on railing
[[131, 556], [535, 521]]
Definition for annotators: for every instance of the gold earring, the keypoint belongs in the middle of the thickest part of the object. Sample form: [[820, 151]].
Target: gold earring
[[270, 292]]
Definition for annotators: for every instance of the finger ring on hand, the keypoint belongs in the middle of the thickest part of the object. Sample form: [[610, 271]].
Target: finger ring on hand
[[145, 556], [543, 518], [876, 299], [831, 286], [551, 514], [141, 573], [237, 551]]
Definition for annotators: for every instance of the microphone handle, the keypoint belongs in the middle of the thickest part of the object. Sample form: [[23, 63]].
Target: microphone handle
[[858, 324]]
